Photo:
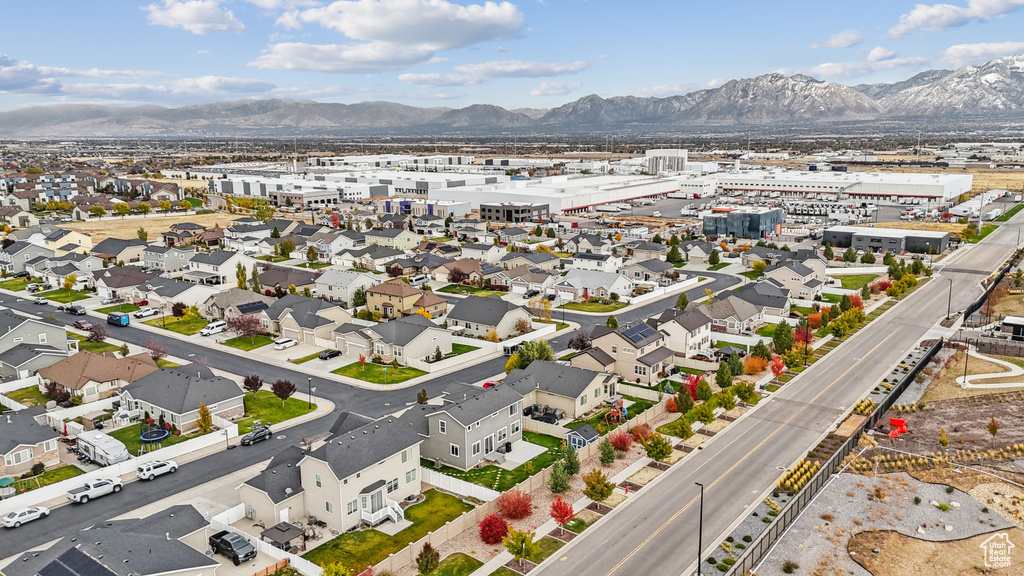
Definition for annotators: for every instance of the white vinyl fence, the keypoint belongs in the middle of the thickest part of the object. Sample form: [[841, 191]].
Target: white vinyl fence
[[457, 486], [224, 520]]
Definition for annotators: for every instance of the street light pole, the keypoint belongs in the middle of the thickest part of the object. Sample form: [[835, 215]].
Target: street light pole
[[949, 301], [967, 351], [700, 527], [309, 399]]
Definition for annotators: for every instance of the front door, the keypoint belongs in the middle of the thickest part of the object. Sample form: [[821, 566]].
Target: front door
[[284, 515], [376, 501], [488, 444]]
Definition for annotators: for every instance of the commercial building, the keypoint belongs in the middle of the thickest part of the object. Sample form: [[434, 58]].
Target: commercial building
[[514, 212], [388, 161], [423, 207], [880, 186], [880, 240], [665, 160], [740, 223]]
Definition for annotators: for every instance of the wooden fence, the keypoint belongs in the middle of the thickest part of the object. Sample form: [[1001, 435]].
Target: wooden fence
[[271, 569]]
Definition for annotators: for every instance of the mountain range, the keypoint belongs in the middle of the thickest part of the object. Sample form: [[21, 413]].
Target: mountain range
[[992, 92]]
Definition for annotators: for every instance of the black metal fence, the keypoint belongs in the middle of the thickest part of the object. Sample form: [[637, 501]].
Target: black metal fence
[[759, 548], [1000, 347], [977, 304]]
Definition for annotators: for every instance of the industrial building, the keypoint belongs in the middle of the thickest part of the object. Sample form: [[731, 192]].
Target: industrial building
[[388, 161], [878, 186], [423, 207], [744, 223], [514, 212], [665, 160], [881, 240]]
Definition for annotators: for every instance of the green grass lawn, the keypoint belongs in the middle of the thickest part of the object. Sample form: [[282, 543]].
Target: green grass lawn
[[752, 274], [178, 325], [718, 266], [441, 239], [771, 387], [376, 373], [802, 309], [679, 264], [64, 296], [94, 347], [30, 396], [457, 349], [163, 363], [459, 288], [247, 343], [123, 307], [985, 231], [267, 407], [766, 330], [1010, 213], [488, 475], [362, 548], [274, 259], [546, 546], [48, 477], [833, 298], [723, 344], [593, 307], [576, 525], [314, 265], [18, 284], [856, 281], [502, 571], [567, 356], [305, 359], [457, 564], [558, 325], [129, 435]]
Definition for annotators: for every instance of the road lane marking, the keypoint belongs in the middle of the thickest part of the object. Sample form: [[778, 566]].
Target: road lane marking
[[740, 461]]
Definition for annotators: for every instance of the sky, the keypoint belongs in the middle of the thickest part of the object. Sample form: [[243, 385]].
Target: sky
[[453, 53]]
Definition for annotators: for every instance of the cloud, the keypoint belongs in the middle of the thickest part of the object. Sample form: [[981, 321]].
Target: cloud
[[548, 88], [965, 54], [272, 5], [855, 69], [664, 90], [519, 69], [716, 82], [843, 39], [198, 52], [182, 89], [21, 76], [878, 54], [434, 80], [195, 16], [389, 34], [938, 17]]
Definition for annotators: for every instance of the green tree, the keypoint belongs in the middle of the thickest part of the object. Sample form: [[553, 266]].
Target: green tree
[[336, 569], [714, 258], [240, 276], [704, 413], [865, 292], [723, 377], [845, 303], [421, 396], [122, 209], [868, 257], [682, 302], [534, 350], [783, 338], [684, 402], [144, 207], [761, 350], [275, 233], [850, 255], [758, 267], [838, 329], [674, 256], [596, 484], [657, 447], [558, 483], [704, 389], [142, 234], [97, 211], [311, 255], [520, 544], [611, 322], [888, 259], [265, 213], [551, 233], [571, 460], [1018, 278], [254, 278], [286, 246], [657, 239], [829, 254], [359, 298], [673, 241], [124, 350], [607, 451], [735, 366]]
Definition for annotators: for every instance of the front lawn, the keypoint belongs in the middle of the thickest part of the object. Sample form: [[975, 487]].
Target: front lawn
[[856, 281], [457, 564], [305, 359], [129, 435], [179, 325], [593, 306], [459, 288], [274, 259], [377, 374], [558, 325], [48, 477], [18, 284], [718, 266], [94, 347], [162, 363], [64, 296], [30, 396], [753, 275], [124, 307], [247, 343], [362, 548], [267, 407], [314, 265]]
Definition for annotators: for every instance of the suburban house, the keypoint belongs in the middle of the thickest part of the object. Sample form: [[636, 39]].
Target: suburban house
[[307, 320], [340, 285], [53, 271], [24, 442], [116, 250], [698, 252], [119, 281], [812, 259], [636, 352], [644, 250], [17, 217], [770, 256], [14, 257], [218, 267], [174, 541], [165, 259], [477, 316], [176, 393], [375, 257], [521, 279], [470, 427], [801, 281], [398, 340], [593, 242], [97, 376], [687, 332], [732, 315], [436, 248], [571, 389], [542, 260], [579, 284], [394, 299], [651, 271], [360, 475], [510, 235], [766, 294], [28, 344], [397, 238], [235, 302], [276, 494], [491, 253], [475, 269], [162, 292], [63, 241], [329, 243], [429, 225], [188, 233], [282, 278], [418, 264]]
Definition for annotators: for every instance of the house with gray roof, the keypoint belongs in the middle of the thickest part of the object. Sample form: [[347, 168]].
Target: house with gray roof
[[593, 242], [176, 393], [341, 285], [767, 294], [307, 320], [638, 352], [235, 302], [477, 316], [574, 390], [801, 281], [653, 271], [542, 260], [284, 277], [644, 250], [409, 337], [166, 259], [373, 257], [14, 257], [276, 494], [25, 442], [471, 426], [28, 344], [218, 267], [732, 315], [119, 281], [161, 291], [578, 284], [687, 332], [116, 250], [171, 541], [484, 252], [421, 263]]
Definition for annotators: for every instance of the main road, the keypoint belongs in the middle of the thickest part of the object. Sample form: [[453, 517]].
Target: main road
[[656, 533]]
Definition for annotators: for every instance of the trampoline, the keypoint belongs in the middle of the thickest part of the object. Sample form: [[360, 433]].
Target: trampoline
[[154, 435]]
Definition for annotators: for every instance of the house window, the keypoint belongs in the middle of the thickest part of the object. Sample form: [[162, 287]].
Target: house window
[[442, 426], [615, 349], [475, 449], [597, 392], [583, 400], [319, 483], [49, 445], [393, 486], [512, 409], [455, 450], [502, 434], [329, 506], [406, 454], [626, 350], [514, 427], [410, 476], [640, 370]]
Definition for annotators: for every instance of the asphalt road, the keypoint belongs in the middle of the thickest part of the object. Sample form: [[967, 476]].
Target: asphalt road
[[657, 532], [348, 398]]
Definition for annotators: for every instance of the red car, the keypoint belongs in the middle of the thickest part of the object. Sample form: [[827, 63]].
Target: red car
[[490, 384], [83, 324]]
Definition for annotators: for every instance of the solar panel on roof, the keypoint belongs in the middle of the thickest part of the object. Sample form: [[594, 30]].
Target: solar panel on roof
[[74, 562]]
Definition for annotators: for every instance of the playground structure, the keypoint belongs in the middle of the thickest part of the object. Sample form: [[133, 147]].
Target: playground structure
[[152, 437]]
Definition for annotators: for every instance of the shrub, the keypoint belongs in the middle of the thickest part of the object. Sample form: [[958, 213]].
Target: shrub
[[607, 452], [493, 529], [917, 499], [747, 538], [949, 489], [754, 365], [657, 447], [428, 559], [704, 391], [670, 405], [621, 441], [515, 504], [789, 566], [641, 433], [596, 485]]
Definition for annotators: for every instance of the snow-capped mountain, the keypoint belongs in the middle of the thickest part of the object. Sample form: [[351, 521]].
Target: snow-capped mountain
[[994, 88]]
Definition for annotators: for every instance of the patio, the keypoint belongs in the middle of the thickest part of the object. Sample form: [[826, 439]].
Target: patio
[[522, 452]]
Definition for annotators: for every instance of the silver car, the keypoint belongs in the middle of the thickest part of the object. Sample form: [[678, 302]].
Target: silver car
[[22, 515]]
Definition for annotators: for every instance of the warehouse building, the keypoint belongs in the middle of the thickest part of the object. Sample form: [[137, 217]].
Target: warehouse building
[[881, 240], [877, 186], [423, 207], [744, 223], [514, 212]]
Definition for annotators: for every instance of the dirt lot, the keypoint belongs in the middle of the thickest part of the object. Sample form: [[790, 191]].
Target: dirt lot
[[966, 422], [943, 385], [155, 225], [901, 555]]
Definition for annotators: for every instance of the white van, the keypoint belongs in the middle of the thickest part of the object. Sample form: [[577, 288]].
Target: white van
[[419, 279], [215, 327]]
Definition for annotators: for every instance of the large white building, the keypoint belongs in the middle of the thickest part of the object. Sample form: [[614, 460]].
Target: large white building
[[880, 186], [370, 162]]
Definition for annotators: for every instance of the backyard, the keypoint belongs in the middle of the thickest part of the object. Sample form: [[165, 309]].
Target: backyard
[[856, 281], [188, 326], [597, 420], [591, 306], [488, 476], [267, 407], [48, 477], [365, 547], [378, 374], [247, 343], [129, 435], [30, 396]]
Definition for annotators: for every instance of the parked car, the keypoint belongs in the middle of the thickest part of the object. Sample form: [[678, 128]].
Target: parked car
[[257, 435], [75, 310], [151, 470], [94, 489], [328, 354], [531, 293], [41, 301], [215, 327], [21, 274], [249, 252], [233, 546], [33, 286], [656, 214], [551, 297], [147, 311], [282, 343], [18, 517], [108, 301], [83, 324], [490, 384]]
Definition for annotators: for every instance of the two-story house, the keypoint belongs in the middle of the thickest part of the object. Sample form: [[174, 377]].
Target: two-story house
[[479, 316], [96, 376], [341, 285], [375, 257], [397, 238], [331, 242], [732, 315], [697, 251], [28, 344], [513, 234], [14, 257], [801, 281], [307, 320], [165, 259], [176, 393], [394, 299], [218, 267], [644, 250], [25, 442], [542, 260], [766, 294], [491, 253], [636, 352], [596, 262], [573, 390], [687, 332], [62, 241], [522, 279], [592, 242], [116, 250], [651, 271]]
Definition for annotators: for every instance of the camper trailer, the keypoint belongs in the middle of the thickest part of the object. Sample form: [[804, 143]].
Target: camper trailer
[[102, 448]]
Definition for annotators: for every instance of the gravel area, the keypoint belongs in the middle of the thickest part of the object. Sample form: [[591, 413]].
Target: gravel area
[[916, 390], [644, 475], [817, 541]]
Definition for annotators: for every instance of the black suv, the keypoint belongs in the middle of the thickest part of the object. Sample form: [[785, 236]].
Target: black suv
[[257, 435]]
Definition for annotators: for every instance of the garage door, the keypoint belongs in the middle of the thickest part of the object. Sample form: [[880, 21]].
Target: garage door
[[290, 333]]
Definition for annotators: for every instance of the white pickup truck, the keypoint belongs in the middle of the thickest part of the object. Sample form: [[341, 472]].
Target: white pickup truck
[[94, 489]]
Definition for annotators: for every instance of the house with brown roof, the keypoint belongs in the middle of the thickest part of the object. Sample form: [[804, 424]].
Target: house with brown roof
[[96, 376], [394, 299], [119, 281], [474, 268]]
